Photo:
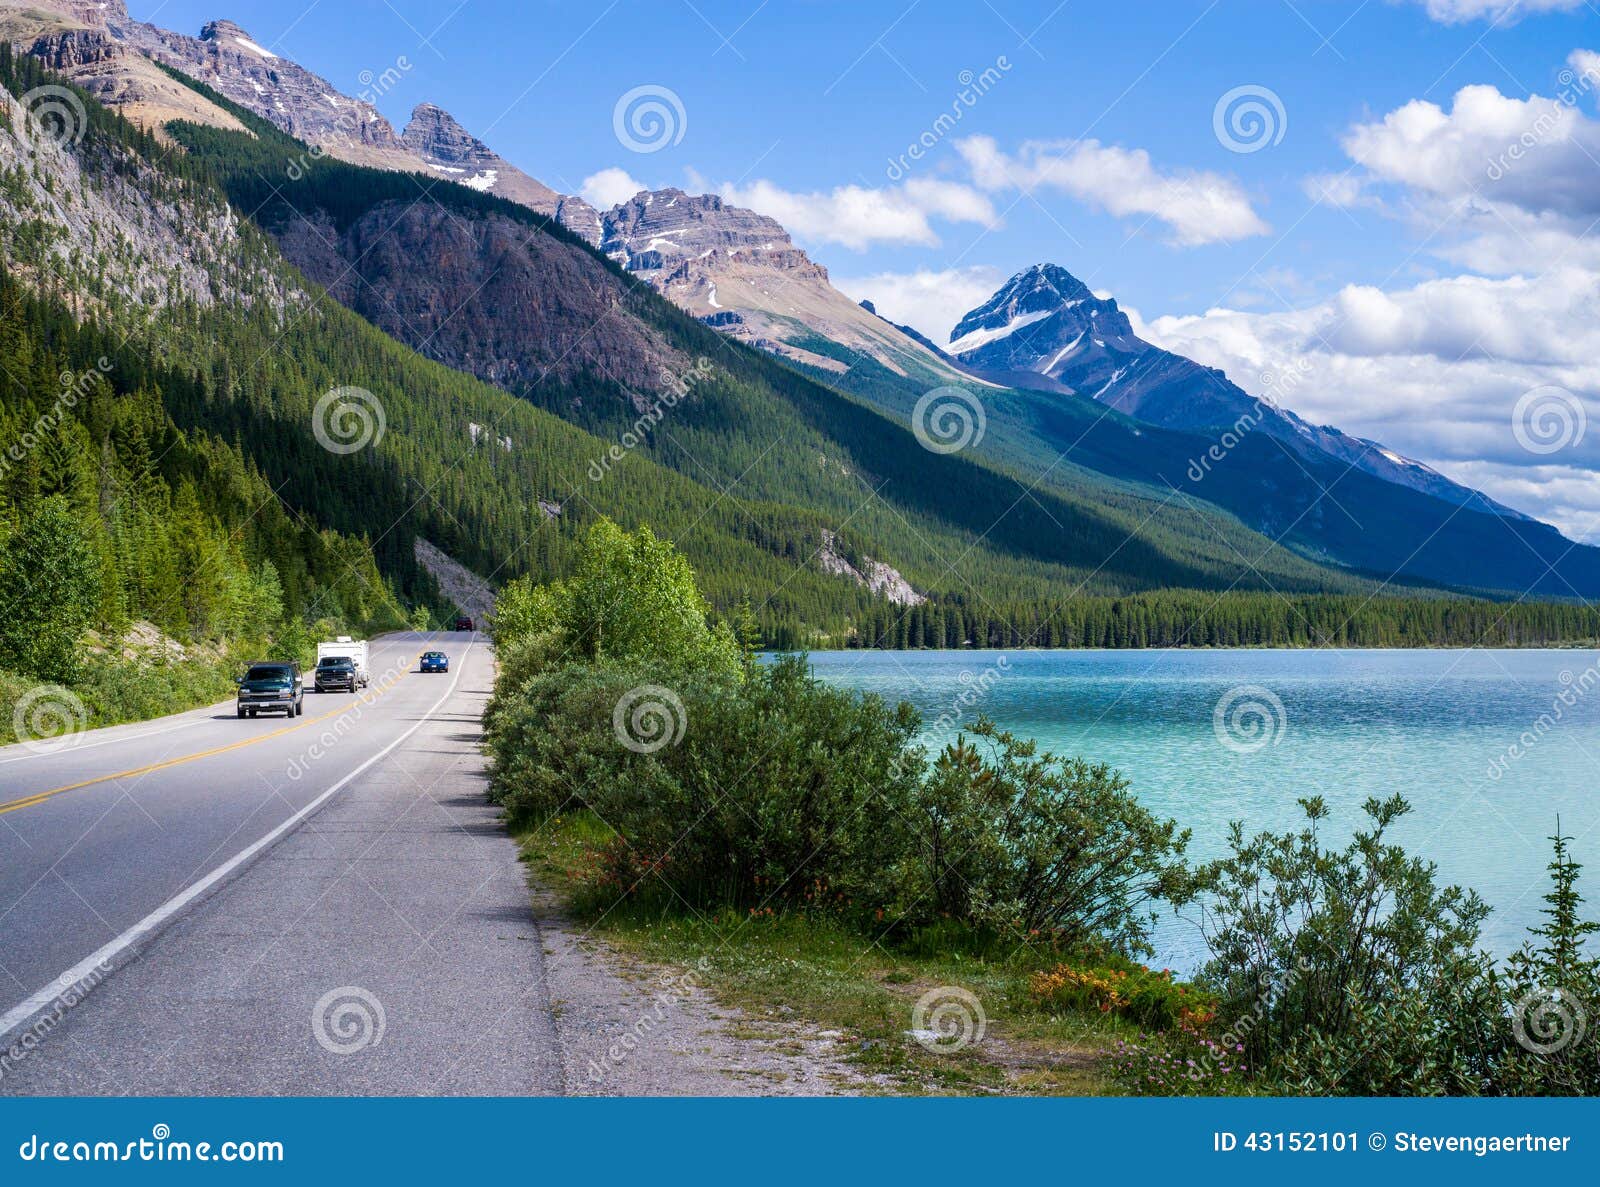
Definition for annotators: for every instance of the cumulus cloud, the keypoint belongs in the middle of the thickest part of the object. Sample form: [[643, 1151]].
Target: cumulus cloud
[[858, 217], [927, 300], [1536, 153], [1434, 371], [609, 187], [1501, 12], [1197, 206]]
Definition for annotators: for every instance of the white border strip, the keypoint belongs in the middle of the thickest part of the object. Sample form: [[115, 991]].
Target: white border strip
[[20, 1014]]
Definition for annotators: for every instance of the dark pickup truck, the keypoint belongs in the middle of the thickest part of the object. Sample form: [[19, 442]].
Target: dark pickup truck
[[272, 687], [335, 673]]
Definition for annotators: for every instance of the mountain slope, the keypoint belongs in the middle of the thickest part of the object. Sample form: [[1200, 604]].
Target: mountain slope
[[1045, 329], [1045, 332], [739, 272], [96, 44], [737, 418]]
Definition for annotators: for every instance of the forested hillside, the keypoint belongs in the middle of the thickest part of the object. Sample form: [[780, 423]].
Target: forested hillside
[[491, 286]]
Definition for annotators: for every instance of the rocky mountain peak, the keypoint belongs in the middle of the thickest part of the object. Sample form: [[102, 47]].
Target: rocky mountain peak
[[658, 230], [740, 272], [221, 30], [1036, 319], [435, 134]]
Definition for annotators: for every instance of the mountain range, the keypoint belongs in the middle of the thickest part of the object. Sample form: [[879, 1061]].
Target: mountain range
[[790, 400]]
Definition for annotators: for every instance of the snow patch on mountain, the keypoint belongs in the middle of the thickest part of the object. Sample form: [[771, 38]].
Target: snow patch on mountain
[[977, 338]]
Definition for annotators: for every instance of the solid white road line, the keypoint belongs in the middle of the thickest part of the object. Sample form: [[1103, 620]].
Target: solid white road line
[[20, 1014]]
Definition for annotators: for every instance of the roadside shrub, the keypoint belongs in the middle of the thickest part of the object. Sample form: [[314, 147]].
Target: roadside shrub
[[632, 599], [1184, 1061], [554, 743], [523, 610], [782, 786], [1041, 846]]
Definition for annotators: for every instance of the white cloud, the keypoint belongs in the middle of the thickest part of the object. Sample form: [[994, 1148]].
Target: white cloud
[[1456, 12], [1536, 153], [609, 188], [926, 300], [1345, 190], [1197, 206], [1434, 371], [858, 217], [1496, 183]]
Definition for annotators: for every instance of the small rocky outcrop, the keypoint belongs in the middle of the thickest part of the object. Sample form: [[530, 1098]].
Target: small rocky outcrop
[[878, 577]]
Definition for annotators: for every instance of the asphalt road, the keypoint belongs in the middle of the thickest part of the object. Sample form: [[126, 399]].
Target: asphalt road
[[322, 904]]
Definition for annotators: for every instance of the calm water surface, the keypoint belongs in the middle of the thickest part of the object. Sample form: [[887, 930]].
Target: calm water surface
[[1437, 726]]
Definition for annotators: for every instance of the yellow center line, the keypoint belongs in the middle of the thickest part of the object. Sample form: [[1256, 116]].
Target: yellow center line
[[40, 797]]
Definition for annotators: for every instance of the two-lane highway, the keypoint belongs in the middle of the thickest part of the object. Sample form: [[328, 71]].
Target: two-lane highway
[[232, 873], [101, 830]]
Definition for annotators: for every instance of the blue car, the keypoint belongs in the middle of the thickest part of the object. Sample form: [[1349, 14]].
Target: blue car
[[435, 661]]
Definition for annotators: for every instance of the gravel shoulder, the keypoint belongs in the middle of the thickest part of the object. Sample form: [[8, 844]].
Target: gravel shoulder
[[629, 1028]]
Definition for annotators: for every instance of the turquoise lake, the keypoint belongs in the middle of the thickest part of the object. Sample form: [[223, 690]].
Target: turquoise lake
[[1490, 747]]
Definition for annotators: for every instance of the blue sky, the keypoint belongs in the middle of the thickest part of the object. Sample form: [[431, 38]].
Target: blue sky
[[1367, 238], [791, 98]]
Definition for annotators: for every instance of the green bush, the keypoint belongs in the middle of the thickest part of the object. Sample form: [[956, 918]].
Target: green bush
[[553, 738], [1552, 991], [1039, 845], [1349, 970], [781, 790]]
